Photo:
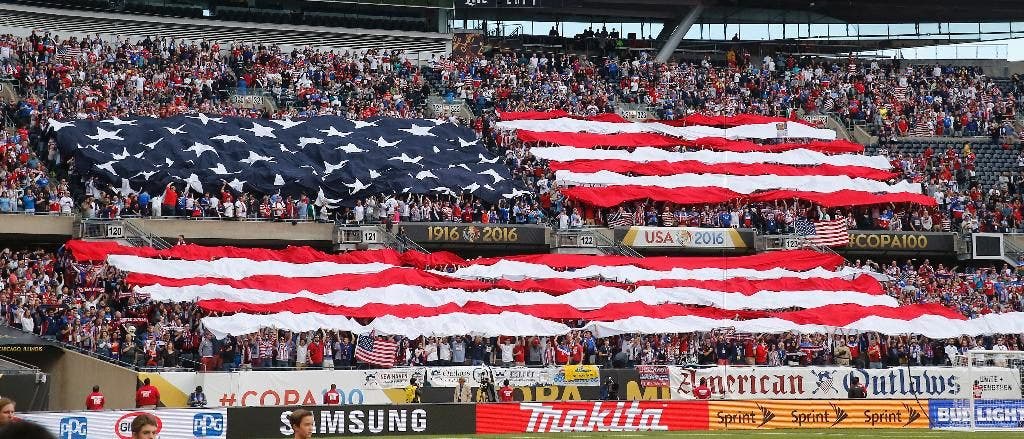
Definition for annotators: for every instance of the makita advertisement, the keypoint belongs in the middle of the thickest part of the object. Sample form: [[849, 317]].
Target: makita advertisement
[[364, 420], [538, 417], [817, 414], [988, 413], [117, 424], [746, 382]]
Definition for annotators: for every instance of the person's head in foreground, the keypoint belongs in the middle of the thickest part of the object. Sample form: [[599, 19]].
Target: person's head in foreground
[[25, 430], [6, 411], [144, 427], [302, 423]]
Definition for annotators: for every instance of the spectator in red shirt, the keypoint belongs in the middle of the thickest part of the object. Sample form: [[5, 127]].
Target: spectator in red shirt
[[147, 397], [562, 353], [761, 352], [95, 400], [505, 393], [702, 391], [519, 353], [577, 352], [874, 355], [332, 397], [316, 352]]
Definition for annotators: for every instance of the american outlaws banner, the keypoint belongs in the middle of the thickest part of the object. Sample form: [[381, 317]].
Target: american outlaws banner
[[813, 382]]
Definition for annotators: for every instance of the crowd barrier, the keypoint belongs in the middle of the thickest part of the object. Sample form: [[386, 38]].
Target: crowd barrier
[[542, 417], [574, 383]]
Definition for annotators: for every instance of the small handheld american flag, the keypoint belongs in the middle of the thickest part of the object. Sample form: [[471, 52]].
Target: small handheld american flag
[[65, 54], [833, 233], [376, 352]]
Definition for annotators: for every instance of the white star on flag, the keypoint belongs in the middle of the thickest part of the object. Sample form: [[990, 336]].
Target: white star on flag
[[350, 148], [58, 125], [102, 134], [177, 130], [200, 148], [254, 157], [303, 141], [357, 186], [329, 168], [204, 119], [287, 123], [261, 131], [417, 130], [117, 121], [406, 159], [384, 143], [228, 139], [331, 131]]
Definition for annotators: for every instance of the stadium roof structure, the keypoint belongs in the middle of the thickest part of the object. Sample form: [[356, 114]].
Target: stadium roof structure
[[936, 23], [750, 11]]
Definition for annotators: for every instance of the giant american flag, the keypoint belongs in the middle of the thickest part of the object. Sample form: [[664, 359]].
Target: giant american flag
[[335, 160], [384, 292], [605, 161]]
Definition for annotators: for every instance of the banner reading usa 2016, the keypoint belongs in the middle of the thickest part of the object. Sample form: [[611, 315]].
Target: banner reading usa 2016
[[685, 237]]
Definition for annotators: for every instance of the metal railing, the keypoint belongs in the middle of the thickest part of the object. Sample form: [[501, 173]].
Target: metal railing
[[121, 229], [400, 243], [589, 237]]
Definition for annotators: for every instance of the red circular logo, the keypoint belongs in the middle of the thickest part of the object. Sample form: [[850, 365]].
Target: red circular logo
[[123, 426]]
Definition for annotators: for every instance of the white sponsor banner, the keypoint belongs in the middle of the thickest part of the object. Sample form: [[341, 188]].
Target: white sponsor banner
[[746, 382], [391, 378], [683, 237], [171, 423], [516, 376], [263, 388]]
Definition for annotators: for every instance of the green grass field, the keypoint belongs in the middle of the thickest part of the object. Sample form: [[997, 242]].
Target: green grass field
[[764, 434]]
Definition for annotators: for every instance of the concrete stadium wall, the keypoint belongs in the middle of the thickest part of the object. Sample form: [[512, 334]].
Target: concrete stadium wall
[[72, 376], [33, 229], [256, 233]]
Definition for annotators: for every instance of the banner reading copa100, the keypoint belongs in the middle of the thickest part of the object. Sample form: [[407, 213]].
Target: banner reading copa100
[[171, 423], [745, 382], [359, 420], [886, 242]]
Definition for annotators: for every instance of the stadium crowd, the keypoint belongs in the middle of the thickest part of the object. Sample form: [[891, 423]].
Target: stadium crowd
[[90, 308], [75, 78]]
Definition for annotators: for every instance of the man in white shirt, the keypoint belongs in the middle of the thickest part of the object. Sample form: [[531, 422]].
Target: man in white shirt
[[240, 209], [66, 203], [507, 348]]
